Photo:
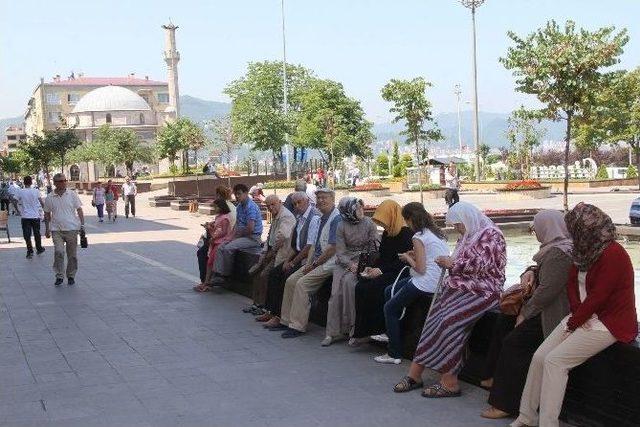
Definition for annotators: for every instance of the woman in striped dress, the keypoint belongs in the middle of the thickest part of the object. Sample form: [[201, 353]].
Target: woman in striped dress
[[476, 277]]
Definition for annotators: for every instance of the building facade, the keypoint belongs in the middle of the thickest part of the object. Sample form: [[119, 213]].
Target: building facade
[[14, 136]]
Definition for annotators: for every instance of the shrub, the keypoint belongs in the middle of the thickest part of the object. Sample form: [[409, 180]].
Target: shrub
[[416, 187], [632, 172], [602, 172], [371, 186], [279, 184]]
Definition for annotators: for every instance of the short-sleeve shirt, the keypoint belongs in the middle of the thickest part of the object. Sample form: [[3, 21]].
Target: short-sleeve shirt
[[29, 199], [333, 231], [63, 209], [246, 212]]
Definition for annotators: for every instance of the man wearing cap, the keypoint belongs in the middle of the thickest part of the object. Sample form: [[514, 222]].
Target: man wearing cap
[[308, 279]]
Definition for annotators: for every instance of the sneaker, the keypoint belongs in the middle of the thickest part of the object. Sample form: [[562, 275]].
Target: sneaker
[[327, 341], [380, 338], [357, 342], [250, 308], [101, 220], [292, 333], [385, 358], [58, 282], [71, 281], [29, 255], [39, 251]]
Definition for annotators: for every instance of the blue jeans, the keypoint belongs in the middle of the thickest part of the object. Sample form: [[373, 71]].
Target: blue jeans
[[405, 294], [100, 209]]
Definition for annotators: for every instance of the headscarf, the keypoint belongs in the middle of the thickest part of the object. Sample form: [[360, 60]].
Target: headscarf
[[551, 232], [475, 222], [348, 207], [389, 213], [592, 231]]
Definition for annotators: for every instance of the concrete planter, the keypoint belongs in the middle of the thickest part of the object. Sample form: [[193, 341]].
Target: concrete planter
[[528, 194]]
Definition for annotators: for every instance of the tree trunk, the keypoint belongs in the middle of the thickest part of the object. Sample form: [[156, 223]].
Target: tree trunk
[[567, 143]]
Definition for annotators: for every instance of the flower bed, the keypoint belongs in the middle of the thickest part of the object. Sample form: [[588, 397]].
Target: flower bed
[[524, 190], [527, 184]]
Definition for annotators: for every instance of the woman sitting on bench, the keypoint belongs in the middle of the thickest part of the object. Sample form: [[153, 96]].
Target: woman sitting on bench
[[602, 303]]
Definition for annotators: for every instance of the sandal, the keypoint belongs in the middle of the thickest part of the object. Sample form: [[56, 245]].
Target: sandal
[[264, 317], [493, 413], [204, 288], [437, 390], [407, 384]]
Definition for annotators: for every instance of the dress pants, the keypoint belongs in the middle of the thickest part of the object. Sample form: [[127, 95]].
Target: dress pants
[[223, 264], [130, 203], [296, 301], [549, 371], [65, 241], [31, 225]]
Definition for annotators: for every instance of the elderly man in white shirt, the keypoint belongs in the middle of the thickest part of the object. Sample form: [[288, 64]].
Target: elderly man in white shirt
[[30, 203], [129, 192], [64, 219]]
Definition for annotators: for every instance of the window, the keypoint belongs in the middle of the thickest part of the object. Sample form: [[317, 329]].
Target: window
[[73, 98], [53, 99], [163, 97], [12, 137], [141, 118], [108, 119], [53, 116]]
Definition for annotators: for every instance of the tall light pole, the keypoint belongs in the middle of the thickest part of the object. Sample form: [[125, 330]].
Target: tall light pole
[[458, 92], [284, 84], [473, 5]]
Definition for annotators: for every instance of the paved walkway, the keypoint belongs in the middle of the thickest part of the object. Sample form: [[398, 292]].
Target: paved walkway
[[132, 345]]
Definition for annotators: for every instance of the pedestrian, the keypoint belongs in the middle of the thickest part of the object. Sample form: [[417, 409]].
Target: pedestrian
[[98, 200], [30, 204], [64, 219], [452, 183], [129, 192], [111, 200], [5, 197]]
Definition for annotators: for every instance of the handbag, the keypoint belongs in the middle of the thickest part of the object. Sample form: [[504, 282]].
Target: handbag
[[93, 203], [512, 300], [84, 243], [368, 257]]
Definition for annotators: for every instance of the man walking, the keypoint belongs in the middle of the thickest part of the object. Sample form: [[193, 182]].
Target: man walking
[[129, 192], [63, 218], [29, 203]]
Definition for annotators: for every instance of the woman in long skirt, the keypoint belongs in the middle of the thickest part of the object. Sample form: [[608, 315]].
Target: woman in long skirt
[[476, 277], [111, 200]]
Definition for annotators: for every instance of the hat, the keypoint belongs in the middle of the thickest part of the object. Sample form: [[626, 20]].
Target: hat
[[325, 190]]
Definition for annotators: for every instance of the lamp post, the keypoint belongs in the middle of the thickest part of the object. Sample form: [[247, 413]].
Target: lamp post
[[473, 5], [458, 92], [284, 83]]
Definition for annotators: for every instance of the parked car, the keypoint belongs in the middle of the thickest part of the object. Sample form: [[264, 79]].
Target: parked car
[[634, 212]]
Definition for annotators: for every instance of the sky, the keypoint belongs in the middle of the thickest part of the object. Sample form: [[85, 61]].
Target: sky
[[360, 43]]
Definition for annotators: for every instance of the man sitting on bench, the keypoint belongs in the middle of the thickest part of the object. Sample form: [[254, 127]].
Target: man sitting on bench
[[247, 233], [307, 280]]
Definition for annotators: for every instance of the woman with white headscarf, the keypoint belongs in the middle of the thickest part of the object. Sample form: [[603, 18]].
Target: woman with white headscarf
[[473, 286]]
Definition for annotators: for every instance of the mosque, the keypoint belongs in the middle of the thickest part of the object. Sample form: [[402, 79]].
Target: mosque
[[140, 104]]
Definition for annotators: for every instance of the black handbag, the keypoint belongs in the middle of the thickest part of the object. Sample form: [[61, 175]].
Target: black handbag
[[84, 243], [369, 257]]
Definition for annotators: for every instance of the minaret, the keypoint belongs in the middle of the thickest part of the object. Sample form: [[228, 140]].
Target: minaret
[[171, 57]]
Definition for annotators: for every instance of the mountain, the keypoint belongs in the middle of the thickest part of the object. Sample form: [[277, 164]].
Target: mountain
[[199, 110], [493, 129]]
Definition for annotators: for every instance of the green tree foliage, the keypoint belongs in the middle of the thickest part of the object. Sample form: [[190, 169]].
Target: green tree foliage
[[60, 142], [11, 164], [602, 172], [178, 136], [223, 140], [382, 164], [331, 122], [617, 115], [632, 171], [410, 105], [563, 67], [395, 156], [523, 135], [36, 155], [257, 113], [483, 153]]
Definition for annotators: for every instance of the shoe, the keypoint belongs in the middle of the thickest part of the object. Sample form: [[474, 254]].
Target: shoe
[[385, 358], [278, 327], [380, 338], [101, 220], [357, 342], [29, 255], [217, 281], [264, 317], [258, 311], [250, 309], [71, 281], [39, 251], [58, 282], [292, 333], [126, 216], [493, 413], [327, 341]]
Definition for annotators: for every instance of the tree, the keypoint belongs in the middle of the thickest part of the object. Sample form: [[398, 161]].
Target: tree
[[193, 137], [257, 113], [410, 104], [523, 136], [36, 155], [617, 116], [563, 68], [382, 164], [224, 139], [170, 142], [10, 164], [332, 123], [60, 142]]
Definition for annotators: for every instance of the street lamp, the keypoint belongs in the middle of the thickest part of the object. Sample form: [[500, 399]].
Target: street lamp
[[284, 83], [458, 92], [473, 5]]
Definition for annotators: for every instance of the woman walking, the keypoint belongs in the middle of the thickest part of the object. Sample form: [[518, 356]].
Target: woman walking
[[355, 235], [111, 200], [220, 231], [539, 315], [99, 200], [476, 277], [428, 245], [602, 304], [369, 295]]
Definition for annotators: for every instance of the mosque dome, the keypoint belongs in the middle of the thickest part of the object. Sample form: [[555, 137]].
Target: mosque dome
[[111, 98]]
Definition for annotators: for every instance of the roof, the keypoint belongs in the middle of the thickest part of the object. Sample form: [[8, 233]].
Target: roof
[[446, 160], [111, 98], [106, 81]]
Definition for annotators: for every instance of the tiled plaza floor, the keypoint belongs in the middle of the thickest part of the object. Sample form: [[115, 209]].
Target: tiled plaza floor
[[132, 345]]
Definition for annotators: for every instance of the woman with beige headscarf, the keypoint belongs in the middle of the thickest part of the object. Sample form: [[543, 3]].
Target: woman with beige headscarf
[[370, 299], [539, 315]]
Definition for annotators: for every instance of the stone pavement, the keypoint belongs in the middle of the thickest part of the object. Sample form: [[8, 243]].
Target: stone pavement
[[132, 345]]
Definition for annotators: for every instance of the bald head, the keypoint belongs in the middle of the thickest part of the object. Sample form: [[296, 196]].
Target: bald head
[[273, 203], [300, 202]]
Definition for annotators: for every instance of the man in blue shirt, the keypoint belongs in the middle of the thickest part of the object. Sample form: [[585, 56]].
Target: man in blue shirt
[[247, 233]]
